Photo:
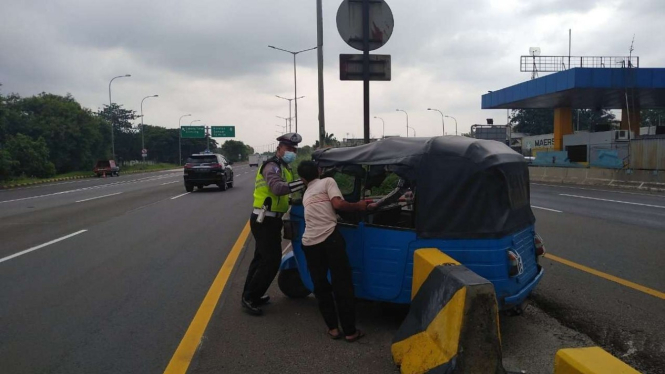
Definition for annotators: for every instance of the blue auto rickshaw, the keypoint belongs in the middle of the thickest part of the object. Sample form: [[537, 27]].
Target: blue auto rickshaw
[[469, 198]]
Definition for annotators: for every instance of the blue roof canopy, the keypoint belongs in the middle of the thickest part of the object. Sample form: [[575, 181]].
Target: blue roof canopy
[[584, 88]]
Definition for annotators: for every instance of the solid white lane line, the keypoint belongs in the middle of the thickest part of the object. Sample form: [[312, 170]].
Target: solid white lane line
[[85, 189], [598, 190], [164, 184], [175, 197], [99, 197], [613, 201], [548, 209], [40, 246]]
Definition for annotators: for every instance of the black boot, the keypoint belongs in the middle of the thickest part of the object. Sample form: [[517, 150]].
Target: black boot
[[251, 308], [263, 300]]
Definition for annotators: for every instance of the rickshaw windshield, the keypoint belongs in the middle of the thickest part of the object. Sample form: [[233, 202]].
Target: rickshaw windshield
[[464, 187]]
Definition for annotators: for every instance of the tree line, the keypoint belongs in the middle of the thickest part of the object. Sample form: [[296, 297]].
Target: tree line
[[47, 134], [541, 121]]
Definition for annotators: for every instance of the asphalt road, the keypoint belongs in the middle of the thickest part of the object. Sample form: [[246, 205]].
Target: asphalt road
[[119, 296], [616, 232]]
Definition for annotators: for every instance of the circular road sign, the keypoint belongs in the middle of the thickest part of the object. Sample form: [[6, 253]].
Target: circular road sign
[[144, 151], [350, 24]]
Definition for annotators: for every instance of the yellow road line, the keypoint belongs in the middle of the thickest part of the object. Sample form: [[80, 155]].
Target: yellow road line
[[190, 342], [609, 277]]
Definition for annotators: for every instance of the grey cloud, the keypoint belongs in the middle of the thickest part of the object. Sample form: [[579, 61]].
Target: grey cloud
[[211, 57]]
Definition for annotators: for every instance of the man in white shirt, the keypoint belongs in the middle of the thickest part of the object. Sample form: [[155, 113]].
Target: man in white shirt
[[325, 250]]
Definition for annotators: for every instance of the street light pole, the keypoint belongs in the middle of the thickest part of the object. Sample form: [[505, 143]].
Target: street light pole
[[198, 120], [180, 140], [282, 127], [142, 137], [443, 124], [455, 123], [289, 100], [111, 113], [286, 122], [295, 80], [384, 126], [407, 121]]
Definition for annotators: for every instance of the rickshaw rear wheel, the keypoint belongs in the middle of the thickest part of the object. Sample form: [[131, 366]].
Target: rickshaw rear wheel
[[291, 284]]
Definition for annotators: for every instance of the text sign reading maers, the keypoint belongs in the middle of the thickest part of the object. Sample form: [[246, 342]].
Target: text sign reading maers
[[192, 132], [351, 67], [223, 131], [350, 23]]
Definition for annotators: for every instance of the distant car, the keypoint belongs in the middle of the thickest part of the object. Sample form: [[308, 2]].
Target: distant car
[[106, 167], [205, 169], [529, 160], [254, 160]]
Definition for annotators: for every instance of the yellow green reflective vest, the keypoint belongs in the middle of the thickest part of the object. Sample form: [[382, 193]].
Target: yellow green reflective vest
[[280, 204]]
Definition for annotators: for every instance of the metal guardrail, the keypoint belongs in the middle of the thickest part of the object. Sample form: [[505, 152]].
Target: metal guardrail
[[553, 64]]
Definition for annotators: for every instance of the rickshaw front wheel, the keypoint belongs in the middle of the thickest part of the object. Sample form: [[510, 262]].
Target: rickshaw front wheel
[[291, 284]]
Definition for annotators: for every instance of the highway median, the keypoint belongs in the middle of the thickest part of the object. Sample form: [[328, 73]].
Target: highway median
[[27, 182]]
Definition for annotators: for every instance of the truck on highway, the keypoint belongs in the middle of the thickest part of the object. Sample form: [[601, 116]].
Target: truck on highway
[[106, 167], [254, 160]]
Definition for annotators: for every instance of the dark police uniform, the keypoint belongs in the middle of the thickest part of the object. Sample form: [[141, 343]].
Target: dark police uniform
[[274, 182]]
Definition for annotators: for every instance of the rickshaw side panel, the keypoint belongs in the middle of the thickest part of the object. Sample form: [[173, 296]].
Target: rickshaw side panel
[[487, 258], [353, 238], [382, 260], [385, 261]]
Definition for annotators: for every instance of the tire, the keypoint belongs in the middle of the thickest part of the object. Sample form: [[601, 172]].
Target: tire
[[291, 285], [189, 188], [222, 186], [200, 187]]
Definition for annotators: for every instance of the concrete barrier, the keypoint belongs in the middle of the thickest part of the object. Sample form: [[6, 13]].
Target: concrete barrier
[[453, 322], [592, 360], [630, 179]]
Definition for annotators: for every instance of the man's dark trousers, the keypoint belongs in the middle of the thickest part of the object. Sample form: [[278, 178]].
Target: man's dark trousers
[[267, 256], [331, 255]]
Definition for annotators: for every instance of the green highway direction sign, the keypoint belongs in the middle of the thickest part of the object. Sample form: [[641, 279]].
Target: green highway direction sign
[[223, 131], [192, 132]]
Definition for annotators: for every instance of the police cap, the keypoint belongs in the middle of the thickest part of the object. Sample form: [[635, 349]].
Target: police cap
[[291, 139]]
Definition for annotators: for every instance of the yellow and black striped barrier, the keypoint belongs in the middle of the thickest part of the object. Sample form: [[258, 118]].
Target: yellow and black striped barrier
[[453, 322], [591, 360]]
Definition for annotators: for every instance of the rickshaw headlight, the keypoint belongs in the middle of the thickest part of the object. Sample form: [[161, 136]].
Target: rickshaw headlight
[[540, 245]]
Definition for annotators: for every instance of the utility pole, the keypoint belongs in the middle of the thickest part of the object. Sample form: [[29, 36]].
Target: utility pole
[[365, 18]]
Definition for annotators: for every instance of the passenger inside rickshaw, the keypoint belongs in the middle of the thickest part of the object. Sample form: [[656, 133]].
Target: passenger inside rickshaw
[[394, 196]]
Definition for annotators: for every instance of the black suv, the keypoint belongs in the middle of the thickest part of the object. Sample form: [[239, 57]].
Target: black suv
[[208, 168]]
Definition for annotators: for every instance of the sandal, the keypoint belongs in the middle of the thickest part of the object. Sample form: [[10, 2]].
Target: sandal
[[334, 336], [355, 337]]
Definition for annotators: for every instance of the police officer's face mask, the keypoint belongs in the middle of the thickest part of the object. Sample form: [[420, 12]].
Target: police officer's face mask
[[289, 157]]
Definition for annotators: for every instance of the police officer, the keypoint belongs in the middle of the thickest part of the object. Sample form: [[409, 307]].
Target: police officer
[[274, 182]]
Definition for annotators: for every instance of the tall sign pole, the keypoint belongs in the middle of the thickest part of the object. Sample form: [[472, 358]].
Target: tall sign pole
[[354, 18], [319, 52], [366, 71]]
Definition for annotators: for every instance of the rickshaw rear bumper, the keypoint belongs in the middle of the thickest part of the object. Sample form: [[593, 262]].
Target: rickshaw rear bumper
[[519, 298]]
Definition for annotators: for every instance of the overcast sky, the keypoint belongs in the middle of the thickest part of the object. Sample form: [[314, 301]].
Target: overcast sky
[[211, 58]]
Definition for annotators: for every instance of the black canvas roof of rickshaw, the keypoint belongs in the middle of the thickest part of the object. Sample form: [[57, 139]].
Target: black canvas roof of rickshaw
[[465, 187], [408, 152]]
